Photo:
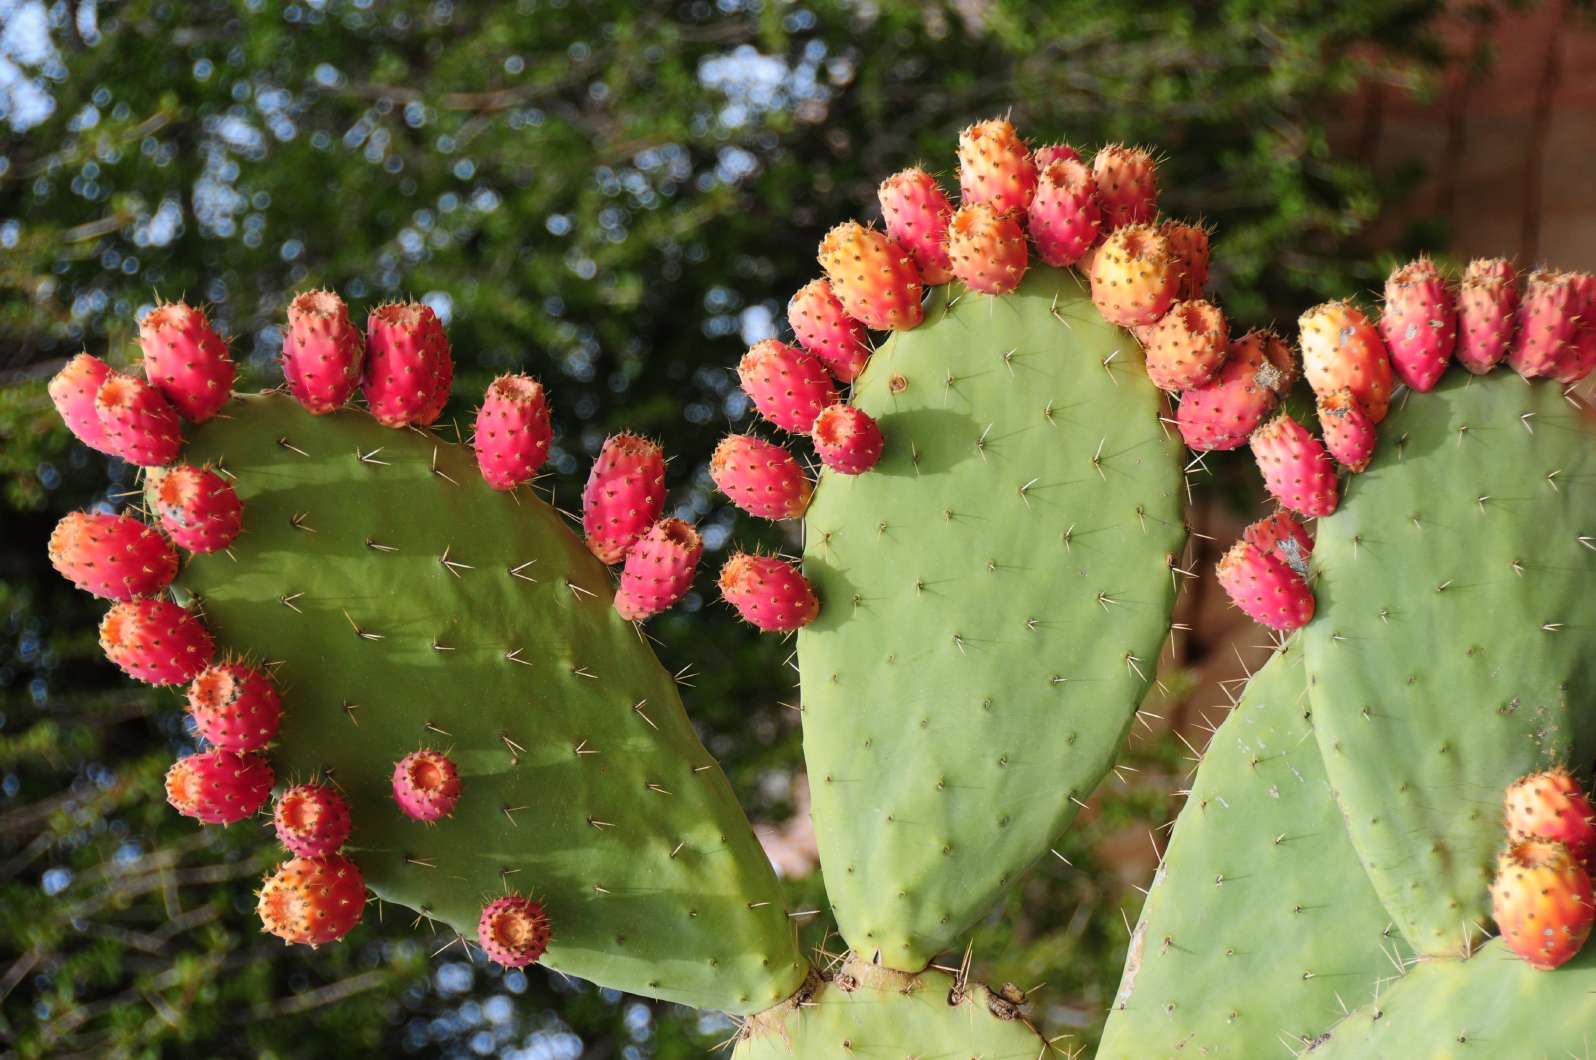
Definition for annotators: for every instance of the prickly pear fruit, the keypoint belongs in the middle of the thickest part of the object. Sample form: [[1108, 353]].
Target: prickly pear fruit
[[995, 168], [1064, 218], [1265, 587], [847, 439], [219, 787], [987, 249], [311, 901], [1046, 155], [1296, 469], [512, 431], [916, 213], [1341, 348], [155, 641], [1550, 805], [1127, 185], [73, 390], [761, 478], [1189, 243], [1281, 536], [115, 557], [1419, 323], [140, 424], [768, 592], [786, 385], [1224, 413], [1581, 355], [1187, 346], [659, 569], [1134, 276], [827, 332], [873, 277], [624, 496], [186, 360], [1548, 319], [311, 820], [1487, 308], [198, 508], [513, 931], [235, 707], [1348, 431], [426, 785], [323, 353], [408, 366], [1541, 899]]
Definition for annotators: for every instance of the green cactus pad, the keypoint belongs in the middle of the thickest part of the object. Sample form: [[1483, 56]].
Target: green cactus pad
[[994, 596], [405, 604], [1261, 920], [1451, 654]]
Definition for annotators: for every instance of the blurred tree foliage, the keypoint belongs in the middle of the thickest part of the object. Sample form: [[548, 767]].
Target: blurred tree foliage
[[617, 196]]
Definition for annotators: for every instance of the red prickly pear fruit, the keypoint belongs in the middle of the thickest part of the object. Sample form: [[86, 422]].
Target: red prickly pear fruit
[[512, 431], [115, 557], [1341, 348], [1064, 218], [1581, 357], [873, 277], [1127, 185], [219, 787], [198, 508], [1487, 308], [786, 385], [995, 168], [408, 367], [1265, 587], [1419, 323], [323, 353], [1296, 469], [73, 390], [916, 213], [1541, 900], [827, 332], [1281, 536], [1348, 431], [1046, 155], [140, 424], [1134, 276], [311, 820], [426, 785], [624, 496], [1548, 321], [1189, 243], [659, 569], [1223, 414], [186, 360], [235, 707], [847, 439], [1550, 805], [1187, 346], [155, 641], [311, 901], [761, 478], [513, 931], [987, 248], [767, 592]]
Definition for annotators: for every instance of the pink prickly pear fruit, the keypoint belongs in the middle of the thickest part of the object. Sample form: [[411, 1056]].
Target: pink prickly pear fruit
[[219, 787], [513, 931], [995, 168], [624, 496], [234, 707], [1296, 469], [761, 478], [987, 248], [197, 508], [186, 360], [1341, 348], [1419, 323], [1222, 414], [1134, 276], [1551, 805], [426, 785], [1348, 431], [916, 213], [115, 557], [140, 425], [1046, 155], [827, 332], [1187, 346], [1189, 243], [311, 901], [1541, 900], [1487, 307], [767, 592], [873, 277], [1127, 185], [786, 385], [311, 820], [1064, 218], [1281, 536], [1265, 587], [73, 390], [847, 439], [408, 366], [155, 641], [512, 431], [1548, 321], [1581, 357], [659, 569], [323, 353]]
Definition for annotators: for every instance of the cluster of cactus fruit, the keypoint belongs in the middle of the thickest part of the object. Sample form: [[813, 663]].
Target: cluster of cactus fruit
[[991, 554]]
